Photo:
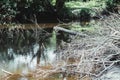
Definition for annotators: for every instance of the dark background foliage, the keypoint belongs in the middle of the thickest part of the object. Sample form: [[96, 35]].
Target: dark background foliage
[[23, 11]]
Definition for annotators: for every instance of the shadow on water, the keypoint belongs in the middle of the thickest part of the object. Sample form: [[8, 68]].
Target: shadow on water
[[22, 50]]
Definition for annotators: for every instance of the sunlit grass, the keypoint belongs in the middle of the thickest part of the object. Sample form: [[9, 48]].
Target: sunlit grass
[[89, 4], [87, 27], [53, 2]]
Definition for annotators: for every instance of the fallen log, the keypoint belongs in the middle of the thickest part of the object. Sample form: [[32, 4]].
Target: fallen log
[[56, 28]]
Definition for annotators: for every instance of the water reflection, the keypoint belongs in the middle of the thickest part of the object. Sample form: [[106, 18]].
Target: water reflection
[[22, 50]]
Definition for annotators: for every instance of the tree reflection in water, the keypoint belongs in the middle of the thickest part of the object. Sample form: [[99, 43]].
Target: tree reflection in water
[[20, 47], [21, 50]]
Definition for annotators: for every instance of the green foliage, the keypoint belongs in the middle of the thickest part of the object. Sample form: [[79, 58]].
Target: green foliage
[[10, 8], [65, 13], [85, 14], [7, 10], [89, 4], [111, 5], [77, 27], [53, 2], [85, 11], [24, 10]]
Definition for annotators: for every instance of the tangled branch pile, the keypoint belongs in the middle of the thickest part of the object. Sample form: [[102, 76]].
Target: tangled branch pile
[[91, 56]]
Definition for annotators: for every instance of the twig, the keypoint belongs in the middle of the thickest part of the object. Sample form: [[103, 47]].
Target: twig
[[7, 72], [98, 75]]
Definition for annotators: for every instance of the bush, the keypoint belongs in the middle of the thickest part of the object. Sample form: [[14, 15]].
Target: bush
[[111, 5], [13, 10], [8, 11], [85, 16]]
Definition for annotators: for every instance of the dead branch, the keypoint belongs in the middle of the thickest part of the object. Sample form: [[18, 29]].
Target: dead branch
[[56, 28], [7, 72]]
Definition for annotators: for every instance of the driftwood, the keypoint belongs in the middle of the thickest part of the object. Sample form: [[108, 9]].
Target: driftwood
[[56, 28]]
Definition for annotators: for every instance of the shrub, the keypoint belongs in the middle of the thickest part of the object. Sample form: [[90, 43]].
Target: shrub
[[111, 5], [8, 11]]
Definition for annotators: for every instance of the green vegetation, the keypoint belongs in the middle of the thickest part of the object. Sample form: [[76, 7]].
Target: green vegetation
[[88, 27], [111, 5], [80, 45], [22, 11], [89, 4]]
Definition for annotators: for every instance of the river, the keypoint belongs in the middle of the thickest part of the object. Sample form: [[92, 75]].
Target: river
[[22, 50]]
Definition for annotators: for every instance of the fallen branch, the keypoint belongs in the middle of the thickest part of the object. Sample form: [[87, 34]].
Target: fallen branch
[[107, 68], [7, 72], [69, 31]]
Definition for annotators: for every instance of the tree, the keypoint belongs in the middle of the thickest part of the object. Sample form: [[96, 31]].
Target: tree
[[23, 10], [59, 5]]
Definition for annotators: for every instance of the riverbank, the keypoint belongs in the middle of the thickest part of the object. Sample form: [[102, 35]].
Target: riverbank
[[94, 55], [90, 57], [86, 58]]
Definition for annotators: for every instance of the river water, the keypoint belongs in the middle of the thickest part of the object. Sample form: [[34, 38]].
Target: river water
[[21, 51]]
